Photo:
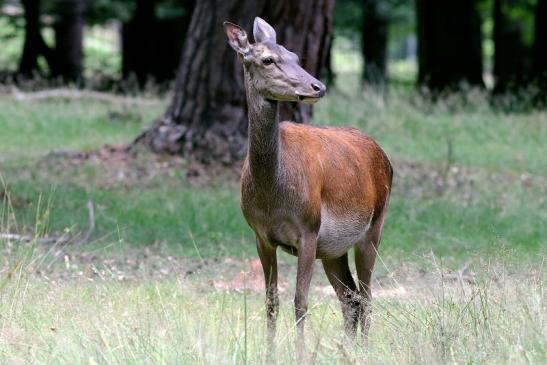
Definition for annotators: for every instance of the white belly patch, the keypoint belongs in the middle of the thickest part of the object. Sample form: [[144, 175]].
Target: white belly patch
[[338, 233]]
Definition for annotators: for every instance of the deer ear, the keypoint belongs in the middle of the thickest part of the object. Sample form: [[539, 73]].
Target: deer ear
[[263, 32], [237, 38]]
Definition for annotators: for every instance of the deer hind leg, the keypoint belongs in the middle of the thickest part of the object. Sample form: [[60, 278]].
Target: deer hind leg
[[340, 278], [306, 258], [268, 258], [365, 256]]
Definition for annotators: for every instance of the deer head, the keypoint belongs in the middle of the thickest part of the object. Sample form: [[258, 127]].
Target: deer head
[[273, 70]]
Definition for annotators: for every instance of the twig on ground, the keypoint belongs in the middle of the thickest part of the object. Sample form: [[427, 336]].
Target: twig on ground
[[41, 240], [63, 239], [91, 226]]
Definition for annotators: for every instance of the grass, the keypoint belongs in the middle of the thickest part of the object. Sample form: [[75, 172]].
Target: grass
[[101, 318], [468, 178], [470, 187]]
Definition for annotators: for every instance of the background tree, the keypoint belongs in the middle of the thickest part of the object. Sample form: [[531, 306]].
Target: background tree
[[206, 118], [69, 29], [540, 45], [374, 41], [152, 44], [34, 45], [513, 33], [449, 44], [65, 58]]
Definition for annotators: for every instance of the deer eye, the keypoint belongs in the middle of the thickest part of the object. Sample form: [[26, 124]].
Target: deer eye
[[267, 61]]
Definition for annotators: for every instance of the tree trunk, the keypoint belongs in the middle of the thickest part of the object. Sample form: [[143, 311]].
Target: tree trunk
[[374, 43], [151, 47], [511, 57], [69, 29], [138, 42], [207, 119], [449, 44], [540, 45], [34, 44], [328, 71]]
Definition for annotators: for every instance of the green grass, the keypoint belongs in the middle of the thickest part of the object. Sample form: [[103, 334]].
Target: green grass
[[470, 187], [101, 318], [33, 129], [468, 178]]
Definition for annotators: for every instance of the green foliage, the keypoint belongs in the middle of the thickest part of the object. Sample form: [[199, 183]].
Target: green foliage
[[101, 54], [11, 39], [348, 17], [521, 14]]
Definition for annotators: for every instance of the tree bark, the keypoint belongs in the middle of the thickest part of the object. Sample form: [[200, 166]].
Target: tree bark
[[540, 49], [69, 29], [34, 44], [449, 44], [151, 47], [207, 119], [328, 71], [511, 56], [138, 42], [374, 43]]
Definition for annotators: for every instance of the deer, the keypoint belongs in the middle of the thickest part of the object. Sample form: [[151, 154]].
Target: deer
[[315, 192]]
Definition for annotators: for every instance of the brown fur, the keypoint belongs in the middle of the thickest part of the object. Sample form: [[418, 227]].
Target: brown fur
[[339, 167]]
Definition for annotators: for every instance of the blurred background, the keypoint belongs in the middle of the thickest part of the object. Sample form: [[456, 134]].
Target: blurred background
[[123, 44]]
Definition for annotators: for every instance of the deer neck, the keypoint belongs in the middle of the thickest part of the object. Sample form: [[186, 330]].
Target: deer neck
[[264, 146]]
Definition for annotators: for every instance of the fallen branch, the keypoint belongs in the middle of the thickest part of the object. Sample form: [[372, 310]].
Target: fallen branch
[[77, 239], [78, 94], [40, 240], [91, 225]]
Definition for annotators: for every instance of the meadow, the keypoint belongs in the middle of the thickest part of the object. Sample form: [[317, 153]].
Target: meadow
[[460, 279]]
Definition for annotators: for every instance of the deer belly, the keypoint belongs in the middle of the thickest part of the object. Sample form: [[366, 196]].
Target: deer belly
[[337, 234]]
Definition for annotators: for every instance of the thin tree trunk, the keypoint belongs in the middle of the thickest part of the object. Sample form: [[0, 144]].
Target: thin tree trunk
[[449, 44], [69, 29], [207, 119], [374, 43], [34, 44], [151, 47], [138, 42], [328, 73], [540, 50], [511, 56]]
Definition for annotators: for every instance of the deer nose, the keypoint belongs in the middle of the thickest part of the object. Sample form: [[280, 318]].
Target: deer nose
[[319, 88]]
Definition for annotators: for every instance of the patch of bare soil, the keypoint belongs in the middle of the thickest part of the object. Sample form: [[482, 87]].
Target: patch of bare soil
[[136, 165], [405, 281], [63, 265], [122, 165]]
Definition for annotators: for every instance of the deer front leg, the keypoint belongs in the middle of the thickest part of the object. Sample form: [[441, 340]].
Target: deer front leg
[[306, 258], [268, 259]]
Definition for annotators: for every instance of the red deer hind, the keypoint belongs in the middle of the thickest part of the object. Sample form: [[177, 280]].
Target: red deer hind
[[314, 192]]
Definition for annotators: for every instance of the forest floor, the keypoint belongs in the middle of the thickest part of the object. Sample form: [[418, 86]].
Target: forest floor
[[167, 270]]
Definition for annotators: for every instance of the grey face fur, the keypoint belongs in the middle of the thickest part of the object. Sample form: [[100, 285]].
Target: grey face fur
[[273, 70]]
